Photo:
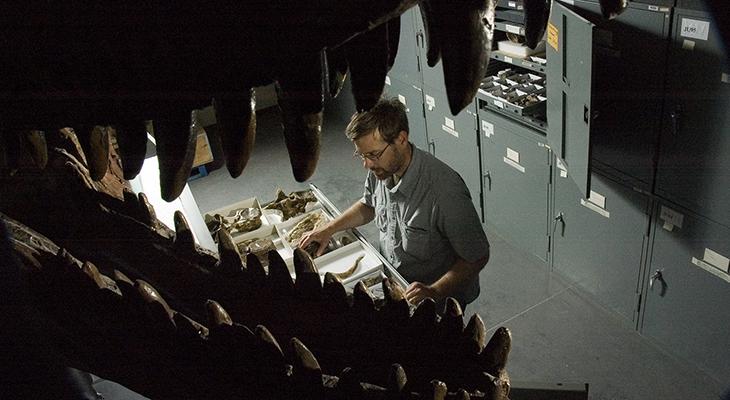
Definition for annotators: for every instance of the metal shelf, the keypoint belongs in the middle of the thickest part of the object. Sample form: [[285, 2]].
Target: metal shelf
[[485, 103], [519, 62], [509, 27]]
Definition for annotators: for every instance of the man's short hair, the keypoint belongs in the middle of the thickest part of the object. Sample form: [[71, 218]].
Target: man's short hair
[[388, 116]]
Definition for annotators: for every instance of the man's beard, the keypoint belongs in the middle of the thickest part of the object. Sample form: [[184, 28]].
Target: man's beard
[[390, 169]]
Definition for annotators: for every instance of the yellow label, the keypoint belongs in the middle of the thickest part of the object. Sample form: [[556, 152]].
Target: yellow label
[[552, 36]]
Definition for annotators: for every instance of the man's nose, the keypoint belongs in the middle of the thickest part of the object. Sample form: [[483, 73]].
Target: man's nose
[[367, 163]]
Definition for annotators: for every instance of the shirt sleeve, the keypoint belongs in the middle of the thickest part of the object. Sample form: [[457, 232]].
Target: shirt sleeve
[[458, 221], [368, 196]]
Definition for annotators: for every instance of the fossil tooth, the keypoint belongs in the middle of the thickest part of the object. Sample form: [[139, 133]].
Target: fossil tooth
[[230, 262], [217, 315], [612, 8], [236, 121], [396, 379], [431, 20], [476, 334], [132, 142], [303, 262], [494, 356], [392, 291], [279, 277], [393, 33], [438, 390], [158, 309], [35, 141], [362, 300], [255, 270], [67, 139], [125, 285], [300, 98], [183, 234], [175, 140], [335, 292], [307, 283], [425, 316], [367, 58], [94, 141], [147, 210], [462, 394], [536, 14], [465, 59], [93, 273], [268, 341], [307, 372], [336, 70]]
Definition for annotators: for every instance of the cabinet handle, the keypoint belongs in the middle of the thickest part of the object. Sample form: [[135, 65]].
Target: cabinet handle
[[675, 115], [432, 146], [657, 276], [488, 176], [560, 218]]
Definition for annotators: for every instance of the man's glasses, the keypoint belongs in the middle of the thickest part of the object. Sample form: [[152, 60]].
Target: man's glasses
[[370, 156]]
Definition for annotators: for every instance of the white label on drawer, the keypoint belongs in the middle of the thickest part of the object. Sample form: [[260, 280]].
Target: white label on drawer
[[450, 131], [597, 199], [563, 173], [513, 155], [671, 218], [487, 128], [725, 77], [709, 268], [402, 99], [512, 4], [688, 44], [513, 164], [449, 122], [589, 205], [508, 59], [430, 102], [571, 2], [718, 260], [563, 169], [653, 8], [387, 80], [513, 29], [498, 103], [694, 28]]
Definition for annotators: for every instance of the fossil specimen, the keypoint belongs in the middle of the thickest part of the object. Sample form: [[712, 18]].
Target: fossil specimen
[[350, 271], [312, 221], [292, 205]]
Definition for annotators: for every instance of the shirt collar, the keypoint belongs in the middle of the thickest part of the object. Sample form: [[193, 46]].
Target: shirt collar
[[407, 182]]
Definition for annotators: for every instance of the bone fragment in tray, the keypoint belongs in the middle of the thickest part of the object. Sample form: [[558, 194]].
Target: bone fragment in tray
[[308, 223], [290, 205], [350, 271]]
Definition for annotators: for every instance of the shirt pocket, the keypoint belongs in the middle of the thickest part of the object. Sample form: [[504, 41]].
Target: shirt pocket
[[417, 242], [381, 217]]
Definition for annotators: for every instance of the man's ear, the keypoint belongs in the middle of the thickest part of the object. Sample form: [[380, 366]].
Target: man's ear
[[403, 135]]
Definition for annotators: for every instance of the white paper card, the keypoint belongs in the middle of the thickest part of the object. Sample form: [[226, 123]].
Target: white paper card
[[695, 29], [512, 4], [709, 268], [498, 103], [589, 205], [487, 128], [716, 259], [449, 122], [667, 226], [688, 44], [387, 80], [597, 199], [402, 99], [670, 216], [513, 29], [508, 59], [430, 102], [513, 164], [513, 155]]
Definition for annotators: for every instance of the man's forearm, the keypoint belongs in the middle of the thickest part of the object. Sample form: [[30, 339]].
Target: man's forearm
[[458, 276], [358, 214]]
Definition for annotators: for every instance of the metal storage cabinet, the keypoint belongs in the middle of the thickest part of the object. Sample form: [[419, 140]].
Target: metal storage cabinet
[[454, 139], [412, 97], [687, 309], [599, 243], [406, 67], [694, 168], [516, 182]]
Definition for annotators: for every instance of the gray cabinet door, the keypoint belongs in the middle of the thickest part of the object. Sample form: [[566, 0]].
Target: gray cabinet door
[[406, 67], [694, 167], [688, 308], [453, 139], [516, 182], [569, 86], [412, 97], [598, 242]]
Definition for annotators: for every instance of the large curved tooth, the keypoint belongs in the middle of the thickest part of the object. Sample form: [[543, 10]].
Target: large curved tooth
[[438, 390], [429, 15], [125, 285], [217, 315], [132, 142], [255, 270], [35, 142], [397, 379], [67, 139], [147, 210], [393, 33], [157, 308], [392, 291], [476, 334], [395, 300], [307, 283], [536, 15], [367, 58], [307, 372], [465, 58], [92, 272], [336, 70], [271, 350], [363, 303], [183, 234], [425, 318], [230, 263], [494, 356], [612, 8], [300, 98], [462, 394], [94, 141], [280, 279], [189, 328], [175, 140], [335, 292], [235, 117]]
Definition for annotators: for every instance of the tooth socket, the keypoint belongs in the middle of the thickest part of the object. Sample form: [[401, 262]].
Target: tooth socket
[[397, 379], [158, 311], [349, 384], [147, 211], [183, 234], [175, 152], [132, 142], [236, 122], [230, 263], [475, 335], [95, 144], [255, 271], [367, 58], [495, 354], [335, 293], [438, 390], [336, 70], [280, 279], [217, 315], [307, 376]]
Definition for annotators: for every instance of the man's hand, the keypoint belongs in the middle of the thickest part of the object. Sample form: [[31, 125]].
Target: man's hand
[[320, 236], [418, 291]]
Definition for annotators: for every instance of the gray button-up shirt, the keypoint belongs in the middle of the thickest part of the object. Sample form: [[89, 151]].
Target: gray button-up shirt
[[426, 220]]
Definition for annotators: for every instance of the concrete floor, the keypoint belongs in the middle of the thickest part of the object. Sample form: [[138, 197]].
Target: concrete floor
[[559, 333]]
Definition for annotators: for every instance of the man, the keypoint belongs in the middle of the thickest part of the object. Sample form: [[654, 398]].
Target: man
[[429, 229]]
